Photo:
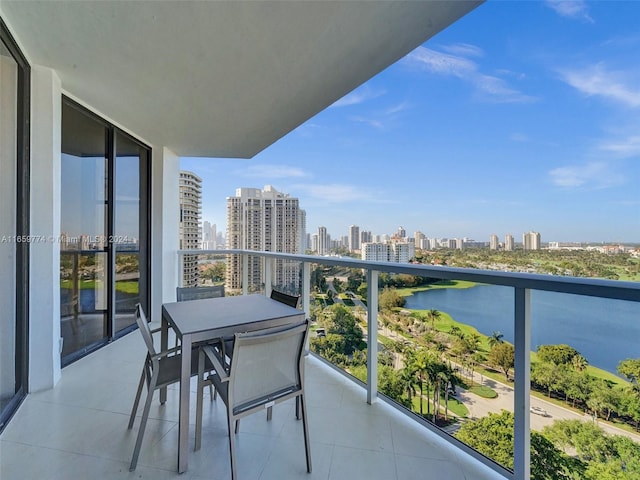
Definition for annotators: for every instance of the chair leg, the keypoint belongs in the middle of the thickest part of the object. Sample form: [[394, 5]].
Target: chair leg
[[232, 445], [298, 408], [143, 423], [305, 428], [269, 413], [199, 400], [137, 400]]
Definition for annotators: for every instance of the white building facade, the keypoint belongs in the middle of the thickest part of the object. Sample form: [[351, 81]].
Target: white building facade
[[265, 220]]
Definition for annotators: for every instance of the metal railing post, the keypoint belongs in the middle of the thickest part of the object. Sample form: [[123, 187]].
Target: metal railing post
[[268, 275], [306, 288], [372, 336], [245, 274], [522, 385]]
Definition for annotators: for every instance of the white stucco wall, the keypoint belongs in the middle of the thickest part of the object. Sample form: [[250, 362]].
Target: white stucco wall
[[44, 264], [164, 228]]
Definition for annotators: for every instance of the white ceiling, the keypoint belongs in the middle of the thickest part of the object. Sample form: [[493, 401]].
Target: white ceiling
[[220, 78]]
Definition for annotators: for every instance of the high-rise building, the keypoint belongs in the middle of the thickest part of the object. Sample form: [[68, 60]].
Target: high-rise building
[[394, 251], [508, 242], [323, 241], [401, 233], [531, 241], [365, 236], [354, 238], [190, 232], [209, 236], [493, 242], [302, 225], [264, 220]]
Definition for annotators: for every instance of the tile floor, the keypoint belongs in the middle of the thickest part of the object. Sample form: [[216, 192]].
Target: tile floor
[[79, 430]]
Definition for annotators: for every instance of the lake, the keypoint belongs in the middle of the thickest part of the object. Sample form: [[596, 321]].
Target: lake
[[604, 331]]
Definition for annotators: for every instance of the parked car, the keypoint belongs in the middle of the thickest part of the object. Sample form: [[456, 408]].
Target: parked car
[[320, 332]]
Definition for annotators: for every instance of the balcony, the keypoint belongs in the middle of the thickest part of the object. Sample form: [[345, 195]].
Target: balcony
[[79, 430], [521, 287]]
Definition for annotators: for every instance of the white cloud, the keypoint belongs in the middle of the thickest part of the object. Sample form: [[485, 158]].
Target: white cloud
[[489, 87], [590, 175], [463, 49], [442, 63], [577, 9], [359, 95], [628, 147], [597, 80], [271, 171], [369, 121]]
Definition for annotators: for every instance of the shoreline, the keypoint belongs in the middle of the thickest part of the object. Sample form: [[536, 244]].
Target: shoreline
[[467, 328]]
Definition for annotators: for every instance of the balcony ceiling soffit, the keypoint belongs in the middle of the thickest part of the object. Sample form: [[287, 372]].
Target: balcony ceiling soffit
[[220, 79]]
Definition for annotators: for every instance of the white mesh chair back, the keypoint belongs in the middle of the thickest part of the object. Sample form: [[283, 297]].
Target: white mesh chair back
[[143, 325], [266, 365]]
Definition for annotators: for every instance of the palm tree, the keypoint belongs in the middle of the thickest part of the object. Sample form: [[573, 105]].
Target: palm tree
[[495, 338], [433, 315], [455, 331], [579, 363]]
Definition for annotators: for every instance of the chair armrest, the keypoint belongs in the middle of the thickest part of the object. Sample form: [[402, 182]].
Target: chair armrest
[[217, 365]]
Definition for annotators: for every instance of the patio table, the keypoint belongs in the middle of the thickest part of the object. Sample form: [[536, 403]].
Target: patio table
[[209, 319]]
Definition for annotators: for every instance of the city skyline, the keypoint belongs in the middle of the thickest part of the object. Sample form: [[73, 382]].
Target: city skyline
[[521, 116]]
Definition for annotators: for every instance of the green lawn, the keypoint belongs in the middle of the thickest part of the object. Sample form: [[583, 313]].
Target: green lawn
[[405, 292], [455, 406]]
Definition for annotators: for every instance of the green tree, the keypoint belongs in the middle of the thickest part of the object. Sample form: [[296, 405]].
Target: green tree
[[630, 368], [502, 355], [493, 436], [340, 321], [495, 338], [390, 299], [433, 316], [558, 354]]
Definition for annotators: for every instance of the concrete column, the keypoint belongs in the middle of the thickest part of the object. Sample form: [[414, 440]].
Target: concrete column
[[165, 218], [44, 262]]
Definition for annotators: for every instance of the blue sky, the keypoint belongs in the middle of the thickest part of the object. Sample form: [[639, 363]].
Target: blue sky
[[521, 116]]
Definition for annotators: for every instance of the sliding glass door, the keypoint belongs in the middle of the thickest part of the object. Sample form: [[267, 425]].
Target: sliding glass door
[[104, 221], [14, 224]]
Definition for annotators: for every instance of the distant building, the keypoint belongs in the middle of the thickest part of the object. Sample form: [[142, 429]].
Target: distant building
[[265, 220], [398, 252], [531, 241], [323, 241], [354, 238], [493, 242], [190, 232], [209, 236], [508, 243], [365, 236]]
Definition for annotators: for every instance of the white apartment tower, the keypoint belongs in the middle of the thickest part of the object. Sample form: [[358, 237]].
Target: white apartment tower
[[323, 241], [263, 220], [531, 241], [190, 232], [354, 238], [493, 242], [508, 243]]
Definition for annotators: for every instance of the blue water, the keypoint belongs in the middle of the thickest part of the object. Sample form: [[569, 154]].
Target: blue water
[[604, 331]]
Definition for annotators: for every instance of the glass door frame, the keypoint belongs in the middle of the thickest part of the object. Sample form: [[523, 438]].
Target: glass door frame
[[22, 223], [112, 132]]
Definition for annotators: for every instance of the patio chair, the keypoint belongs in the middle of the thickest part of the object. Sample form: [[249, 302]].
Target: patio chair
[[197, 293], [291, 300], [160, 369], [266, 368]]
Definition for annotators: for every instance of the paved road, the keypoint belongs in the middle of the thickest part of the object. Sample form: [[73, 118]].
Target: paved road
[[480, 407]]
